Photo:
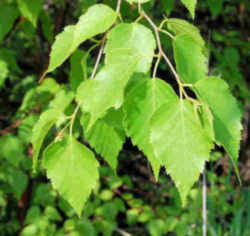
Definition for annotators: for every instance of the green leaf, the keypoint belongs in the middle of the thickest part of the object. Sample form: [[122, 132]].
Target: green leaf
[[123, 57], [62, 100], [52, 213], [207, 120], [43, 195], [41, 95], [47, 25], [168, 6], [215, 7], [77, 67], [9, 56], [4, 71], [11, 149], [189, 58], [30, 230], [25, 128], [141, 101], [106, 135], [190, 5], [157, 227], [40, 130], [95, 21], [49, 85], [30, 10], [18, 181], [134, 37], [227, 116], [181, 143], [106, 90], [8, 15], [179, 26], [73, 170], [62, 48]]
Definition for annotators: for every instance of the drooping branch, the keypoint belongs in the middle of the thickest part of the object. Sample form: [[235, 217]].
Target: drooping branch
[[11, 127], [161, 52]]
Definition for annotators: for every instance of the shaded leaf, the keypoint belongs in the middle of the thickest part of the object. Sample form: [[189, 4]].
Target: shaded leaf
[[8, 15], [40, 130], [25, 128], [106, 135], [47, 25], [11, 149], [30, 10], [18, 181], [9, 56], [77, 67]]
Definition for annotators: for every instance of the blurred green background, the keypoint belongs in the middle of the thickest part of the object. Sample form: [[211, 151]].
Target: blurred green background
[[128, 202]]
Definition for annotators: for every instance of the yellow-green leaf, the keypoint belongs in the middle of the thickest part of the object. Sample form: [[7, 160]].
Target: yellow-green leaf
[[190, 60], [141, 101], [227, 116], [181, 143], [190, 5], [73, 170], [96, 20]]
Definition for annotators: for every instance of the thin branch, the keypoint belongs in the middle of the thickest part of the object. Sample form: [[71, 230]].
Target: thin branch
[[11, 127], [162, 53], [122, 232], [85, 60], [118, 7], [73, 120], [98, 58], [156, 30], [204, 204]]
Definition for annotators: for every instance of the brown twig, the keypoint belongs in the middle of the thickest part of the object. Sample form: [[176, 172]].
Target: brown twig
[[11, 127]]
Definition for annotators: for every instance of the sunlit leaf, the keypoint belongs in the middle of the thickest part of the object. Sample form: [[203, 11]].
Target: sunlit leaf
[[73, 170]]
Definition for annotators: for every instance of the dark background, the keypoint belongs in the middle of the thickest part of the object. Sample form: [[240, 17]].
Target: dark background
[[130, 202]]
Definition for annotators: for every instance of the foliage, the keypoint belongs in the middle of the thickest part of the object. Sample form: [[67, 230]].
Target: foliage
[[124, 203], [72, 110]]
